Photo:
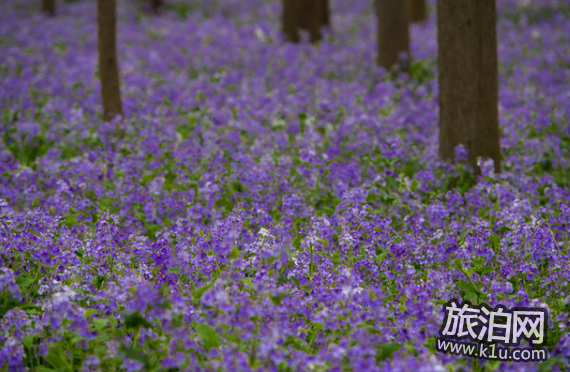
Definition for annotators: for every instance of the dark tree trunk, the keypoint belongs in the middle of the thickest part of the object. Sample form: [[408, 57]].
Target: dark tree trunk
[[311, 18], [325, 13], [417, 10], [48, 7], [156, 6], [309, 15], [290, 21], [393, 32], [468, 79], [108, 66]]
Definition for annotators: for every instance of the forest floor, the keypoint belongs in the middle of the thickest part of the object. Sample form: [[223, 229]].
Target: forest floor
[[270, 206]]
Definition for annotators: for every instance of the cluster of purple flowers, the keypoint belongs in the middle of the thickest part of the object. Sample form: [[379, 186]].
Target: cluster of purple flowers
[[271, 207]]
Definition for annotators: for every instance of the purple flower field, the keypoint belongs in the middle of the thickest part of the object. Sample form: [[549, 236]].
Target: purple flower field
[[270, 206]]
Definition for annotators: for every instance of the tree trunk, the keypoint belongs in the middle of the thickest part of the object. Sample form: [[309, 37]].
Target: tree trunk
[[48, 7], [468, 79], [309, 15], [108, 66], [393, 33], [156, 6], [325, 13], [417, 10], [311, 18], [290, 21]]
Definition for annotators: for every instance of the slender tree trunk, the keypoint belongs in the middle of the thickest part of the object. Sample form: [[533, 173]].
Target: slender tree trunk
[[417, 10], [290, 21], [48, 7], [393, 32], [310, 15], [325, 13], [156, 6], [311, 18], [468, 79], [108, 66]]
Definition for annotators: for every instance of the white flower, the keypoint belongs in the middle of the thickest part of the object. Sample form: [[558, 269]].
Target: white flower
[[337, 351], [311, 239], [221, 296], [438, 234], [264, 232], [533, 221], [260, 35], [43, 289], [279, 122], [435, 362], [295, 260], [348, 291], [347, 239]]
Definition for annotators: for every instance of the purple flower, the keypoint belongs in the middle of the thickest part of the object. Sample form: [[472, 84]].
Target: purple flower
[[8, 282]]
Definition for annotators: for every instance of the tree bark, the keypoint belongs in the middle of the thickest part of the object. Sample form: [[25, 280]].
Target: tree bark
[[108, 66], [156, 6], [417, 10], [48, 7], [325, 13], [468, 79], [290, 21], [309, 15], [393, 32]]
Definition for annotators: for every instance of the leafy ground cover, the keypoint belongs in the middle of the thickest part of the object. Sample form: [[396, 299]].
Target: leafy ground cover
[[268, 206]]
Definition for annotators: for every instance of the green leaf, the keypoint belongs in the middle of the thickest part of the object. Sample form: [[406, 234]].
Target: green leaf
[[147, 178], [24, 281], [548, 364], [414, 185], [276, 299], [492, 366], [382, 256], [234, 254], [469, 287], [174, 270], [135, 355], [387, 350], [484, 270], [297, 242], [208, 335], [458, 264], [248, 283], [9, 302], [297, 343], [495, 241], [55, 360], [44, 369], [198, 293], [28, 341], [99, 324], [102, 337], [296, 281], [283, 367], [430, 344], [136, 320], [503, 229]]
